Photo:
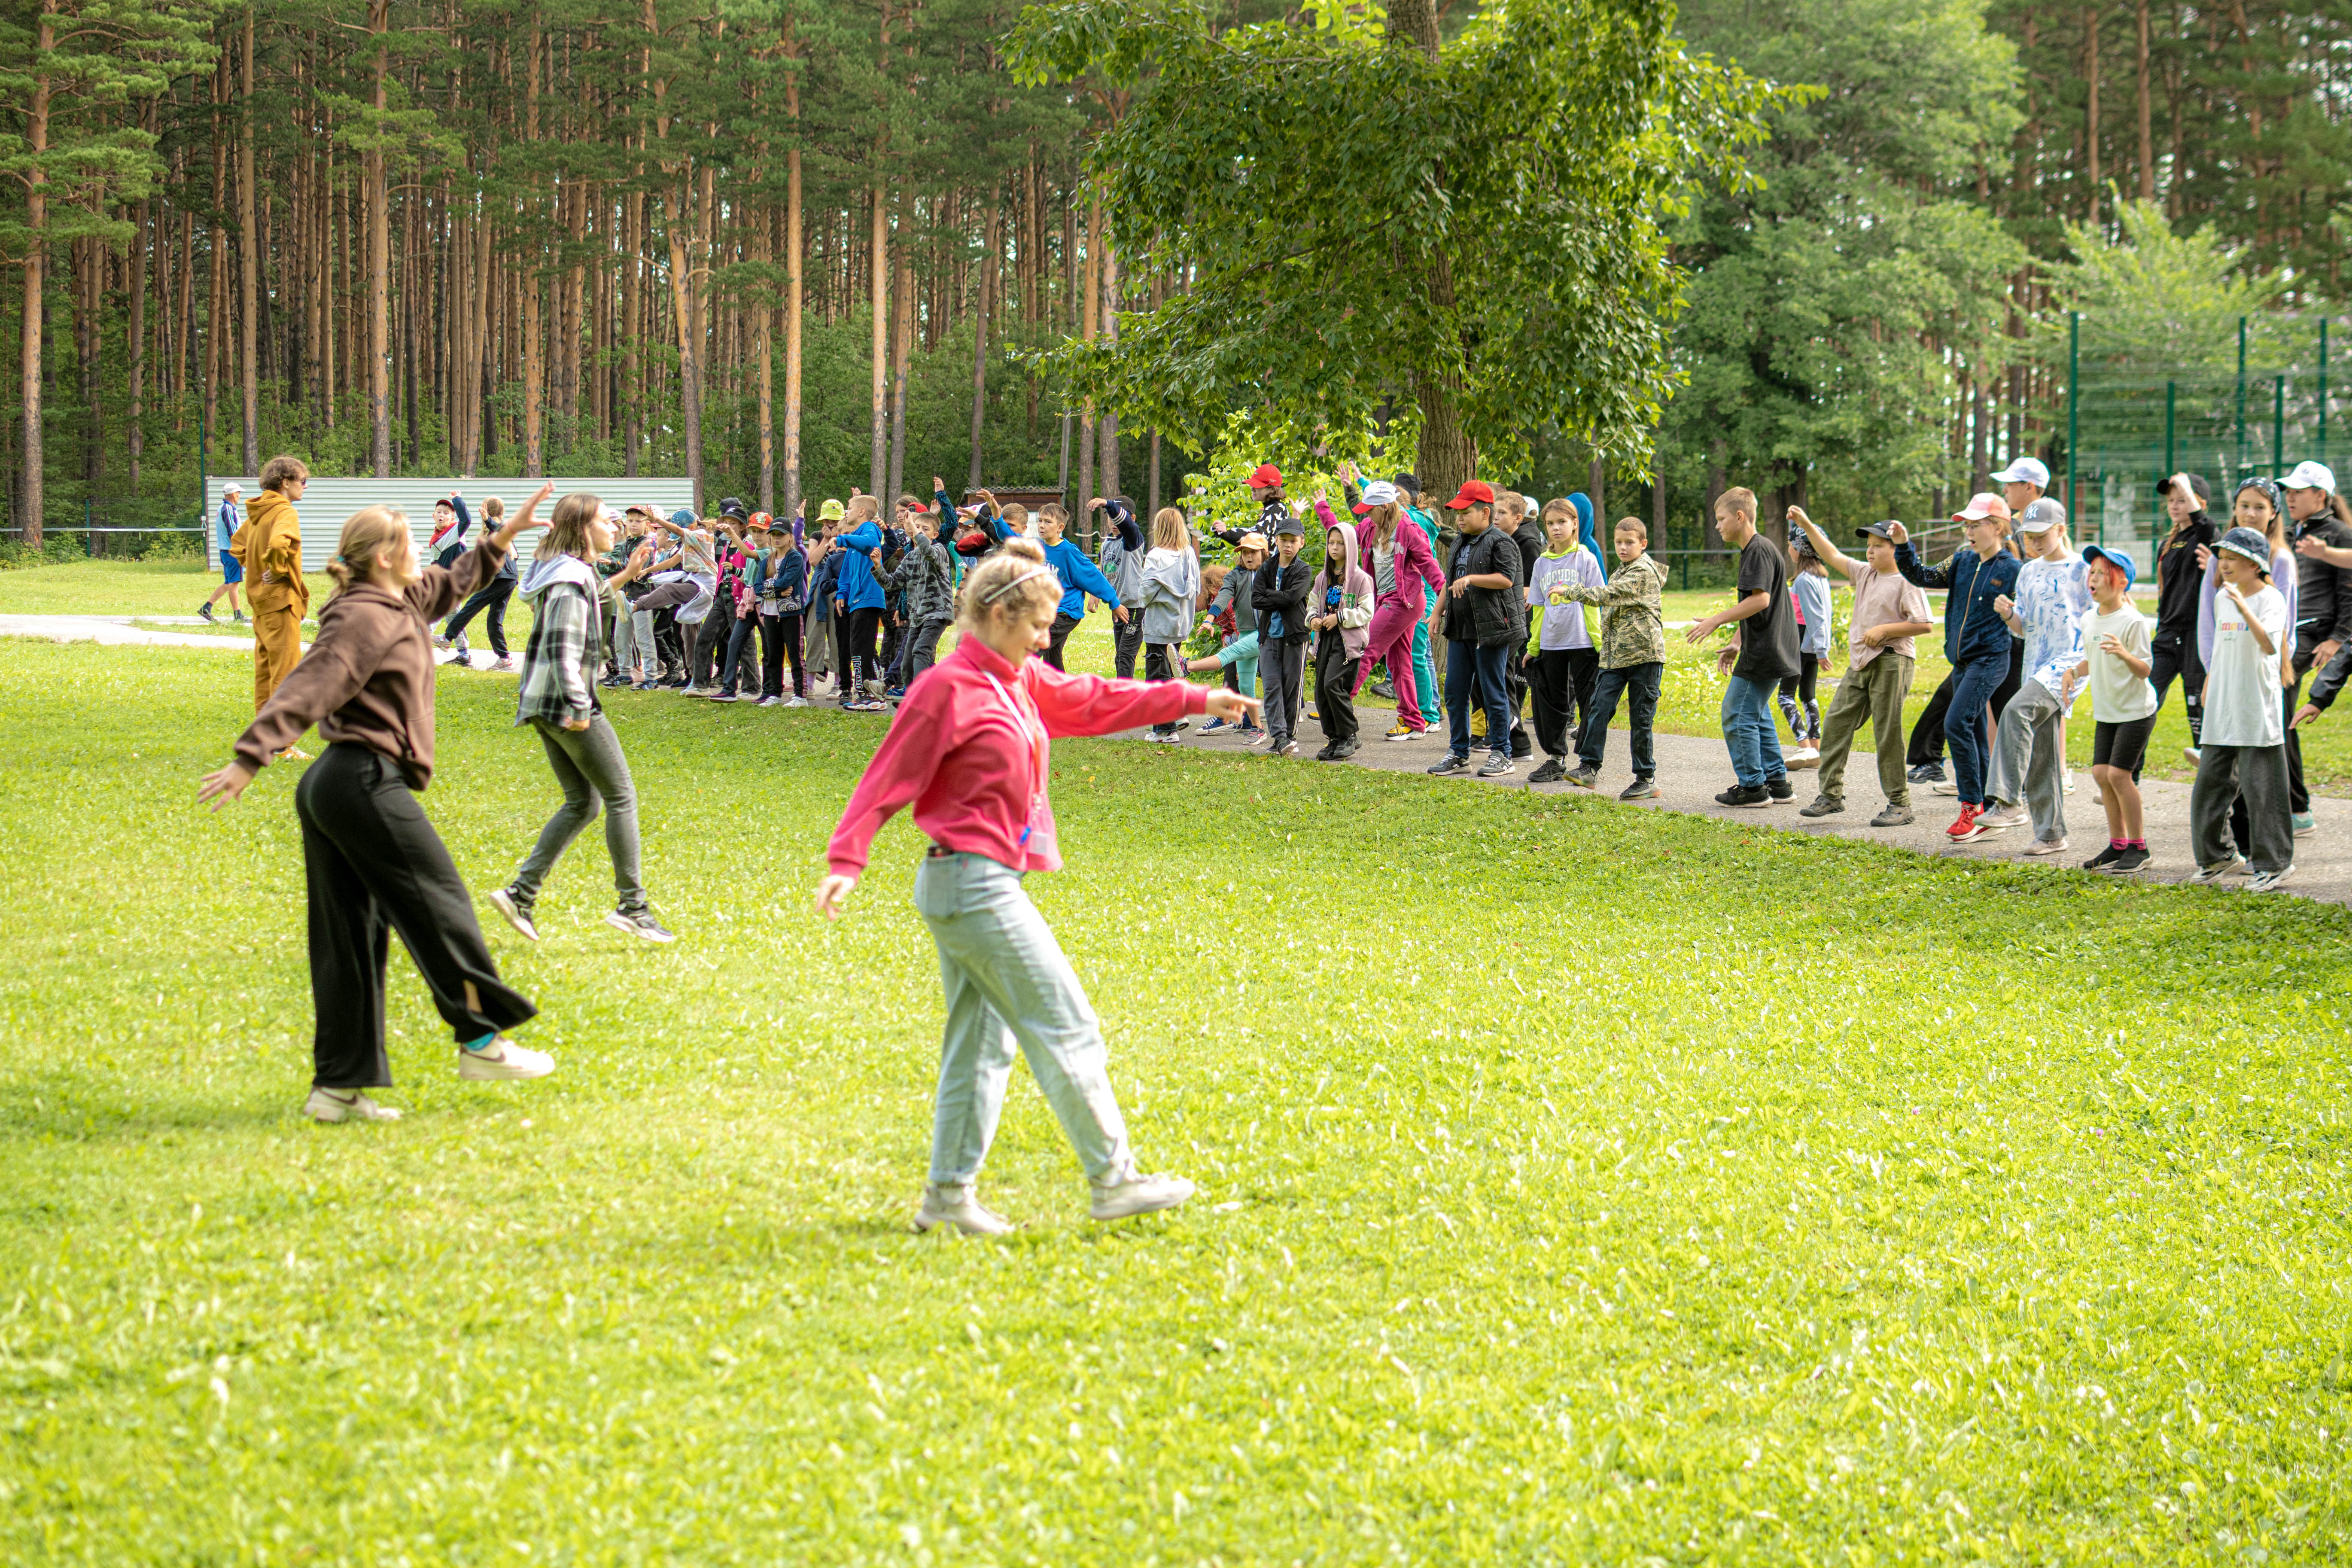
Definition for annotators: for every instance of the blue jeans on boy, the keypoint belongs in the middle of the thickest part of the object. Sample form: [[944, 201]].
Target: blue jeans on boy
[[1973, 684], [1467, 664], [1750, 732], [1641, 683]]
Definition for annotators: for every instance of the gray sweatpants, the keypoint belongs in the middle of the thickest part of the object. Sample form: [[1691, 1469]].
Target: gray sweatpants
[[1009, 987], [2027, 766], [588, 764], [2258, 773]]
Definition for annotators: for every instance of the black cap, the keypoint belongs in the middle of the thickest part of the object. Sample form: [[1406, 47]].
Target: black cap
[[2197, 485], [1407, 481], [735, 509], [1877, 531]]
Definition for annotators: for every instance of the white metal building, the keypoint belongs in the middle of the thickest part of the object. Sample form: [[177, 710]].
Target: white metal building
[[327, 501]]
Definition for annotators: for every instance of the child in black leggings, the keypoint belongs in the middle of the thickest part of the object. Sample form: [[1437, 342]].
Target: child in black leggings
[[1810, 587]]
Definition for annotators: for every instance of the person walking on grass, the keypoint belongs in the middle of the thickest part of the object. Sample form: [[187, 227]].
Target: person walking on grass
[[1340, 610], [1889, 611], [2245, 734], [558, 701], [2029, 765], [1632, 660], [1763, 650], [971, 753], [1809, 584], [226, 524], [1563, 655], [1172, 581], [1976, 640], [1120, 561], [373, 863], [1279, 599], [2117, 655], [270, 549], [1484, 621]]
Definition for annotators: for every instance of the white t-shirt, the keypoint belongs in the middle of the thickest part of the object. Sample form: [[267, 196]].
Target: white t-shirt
[[2118, 696], [2052, 597], [2243, 699]]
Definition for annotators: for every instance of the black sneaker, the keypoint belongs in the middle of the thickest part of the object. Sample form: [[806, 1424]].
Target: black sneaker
[[1584, 775], [2104, 859], [1928, 773], [1342, 750], [1497, 765], [1450, 763], [1824, 806], [1745, 795], [1330, 753], [1552, 771], [1781, 790], [2130, 861], [1640, 789], [204, 611]]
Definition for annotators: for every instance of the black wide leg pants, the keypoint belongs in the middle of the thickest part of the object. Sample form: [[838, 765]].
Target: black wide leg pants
[[375, 866]]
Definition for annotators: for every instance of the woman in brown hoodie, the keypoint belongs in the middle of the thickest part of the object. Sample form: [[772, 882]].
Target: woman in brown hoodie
[[374, 861], [270, 548]]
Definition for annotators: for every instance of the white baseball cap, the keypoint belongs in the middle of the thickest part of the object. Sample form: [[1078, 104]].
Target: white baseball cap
[[234, 488], [2310, 476], [2024, 472]]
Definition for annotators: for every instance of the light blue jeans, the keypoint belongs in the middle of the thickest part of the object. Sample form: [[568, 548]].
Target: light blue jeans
[[1749, 732], [1008, 986]]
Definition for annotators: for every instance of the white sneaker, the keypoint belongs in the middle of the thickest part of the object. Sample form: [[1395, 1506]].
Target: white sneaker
[[2067, 781], [1997, 817], [2218, 870], [2046, 846], [504, 1058], [1138, 1195], [518, 915], [799, 702], [959, 1209], [345, 1105], [1944, 786], [2270, 881], [2193, 755]]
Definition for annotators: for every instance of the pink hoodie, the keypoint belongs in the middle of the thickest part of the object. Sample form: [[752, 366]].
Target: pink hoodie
[[1355, 587], [1415, 563]]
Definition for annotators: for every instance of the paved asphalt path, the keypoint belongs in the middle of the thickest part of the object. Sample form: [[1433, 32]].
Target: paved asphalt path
[[1692, 769]]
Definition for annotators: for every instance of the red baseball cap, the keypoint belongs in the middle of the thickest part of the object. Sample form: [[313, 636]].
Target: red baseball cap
[[1267, 477], [1477, 492], [1982, 505]]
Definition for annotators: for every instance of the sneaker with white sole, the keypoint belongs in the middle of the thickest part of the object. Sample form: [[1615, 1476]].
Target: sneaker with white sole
[[2270, 881], [2305, 824], [1138, 1195], [1997, 817], [346, 1105], [2046, 846], [959, 1210], [516, 911], [640, 922], [502, 1059], [1943, 786], [2217, 870]]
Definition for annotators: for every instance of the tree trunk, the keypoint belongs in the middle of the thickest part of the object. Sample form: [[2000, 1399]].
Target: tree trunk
[[378, 262], [249, 262], [1110, 335], [993, 238], [36, 218], [135, 438], [689, 369], [1088, 301], [2091, 107], [793, 301], [2147, 116], [1446, 458], [1597, 490], [879, 468], [534, 340], [903, 351], [763, 316]]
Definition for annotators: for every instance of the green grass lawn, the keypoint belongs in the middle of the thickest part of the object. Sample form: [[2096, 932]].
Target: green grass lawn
[[1578, 1185]]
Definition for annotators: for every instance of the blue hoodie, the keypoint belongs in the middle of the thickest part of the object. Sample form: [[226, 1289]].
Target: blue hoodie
[[1079, 577], [1583, 505], [858, 589], [1972, 629]]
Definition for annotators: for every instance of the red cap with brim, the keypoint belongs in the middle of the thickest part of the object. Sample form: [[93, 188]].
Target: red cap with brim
[[1267, 477], [1477, 492], [1982, 505]]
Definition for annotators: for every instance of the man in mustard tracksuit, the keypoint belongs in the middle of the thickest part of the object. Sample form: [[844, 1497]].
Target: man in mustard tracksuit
[[269, 547]]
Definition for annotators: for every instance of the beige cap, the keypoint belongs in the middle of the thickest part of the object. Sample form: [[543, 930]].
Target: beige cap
[[1252, 542]]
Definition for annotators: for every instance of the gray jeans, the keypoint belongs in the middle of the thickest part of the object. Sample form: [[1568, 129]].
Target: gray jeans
[[2258, 773], [588, 764], [2027, 766], [1008, 987]]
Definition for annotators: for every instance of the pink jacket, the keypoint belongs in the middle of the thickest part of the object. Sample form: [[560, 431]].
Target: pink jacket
[[968, 750], [1415, 563]]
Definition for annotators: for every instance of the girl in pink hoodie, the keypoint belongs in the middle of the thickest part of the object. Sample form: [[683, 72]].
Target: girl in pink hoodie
[[1401, 563], [1339, 611]]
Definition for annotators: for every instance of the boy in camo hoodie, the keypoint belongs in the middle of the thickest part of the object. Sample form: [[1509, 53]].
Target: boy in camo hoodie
[[1632, 658]]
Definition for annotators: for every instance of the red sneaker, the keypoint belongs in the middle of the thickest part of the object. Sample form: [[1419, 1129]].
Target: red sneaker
[[1965, 827]]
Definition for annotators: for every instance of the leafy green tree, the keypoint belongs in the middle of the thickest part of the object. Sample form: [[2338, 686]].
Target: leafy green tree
[[1364, 219]]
